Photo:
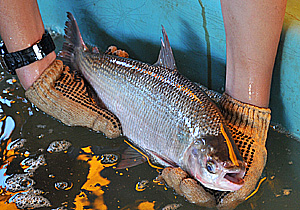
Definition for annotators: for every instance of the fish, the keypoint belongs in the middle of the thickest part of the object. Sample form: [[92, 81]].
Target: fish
[[161, 111]]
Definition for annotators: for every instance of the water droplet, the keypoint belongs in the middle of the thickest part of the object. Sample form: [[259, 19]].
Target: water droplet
[[141, 186], [31, 164], [286, 192], [16, 144], [30, 199], [41, 126], [172, 206], [58, 146], [63, 185], [109, 158], [19, 182]]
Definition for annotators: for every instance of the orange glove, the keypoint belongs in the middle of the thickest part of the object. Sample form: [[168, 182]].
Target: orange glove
[[63, 95]]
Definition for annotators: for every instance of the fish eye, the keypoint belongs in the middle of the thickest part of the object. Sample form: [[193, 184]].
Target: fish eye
[[211, 167]]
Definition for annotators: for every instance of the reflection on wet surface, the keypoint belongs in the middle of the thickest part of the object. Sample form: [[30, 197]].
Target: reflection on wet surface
[[44, 163]]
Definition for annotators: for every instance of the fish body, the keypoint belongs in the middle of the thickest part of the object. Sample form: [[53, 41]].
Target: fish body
[[161, 111]]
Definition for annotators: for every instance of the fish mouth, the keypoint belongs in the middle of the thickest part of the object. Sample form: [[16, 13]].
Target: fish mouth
[[234, 180], [235, 177]]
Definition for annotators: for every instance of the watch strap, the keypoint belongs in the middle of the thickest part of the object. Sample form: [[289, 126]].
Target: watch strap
[[14, 60]]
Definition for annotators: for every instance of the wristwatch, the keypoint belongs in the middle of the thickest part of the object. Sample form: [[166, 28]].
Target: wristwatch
[[11, 61]]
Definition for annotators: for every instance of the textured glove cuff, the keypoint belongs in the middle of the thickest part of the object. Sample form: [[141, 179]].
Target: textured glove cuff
[[251, 120], [64, 96]]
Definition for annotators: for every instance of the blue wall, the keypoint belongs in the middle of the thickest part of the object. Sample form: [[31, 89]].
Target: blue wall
[[196, 34]]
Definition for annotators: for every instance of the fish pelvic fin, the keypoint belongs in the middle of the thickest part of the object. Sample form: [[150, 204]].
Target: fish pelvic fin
[[130, 158], [165, 58], [73, 40]]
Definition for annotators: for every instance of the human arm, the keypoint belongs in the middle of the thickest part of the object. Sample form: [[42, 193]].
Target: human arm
[[50, 85], [21, 26], [253, 29]]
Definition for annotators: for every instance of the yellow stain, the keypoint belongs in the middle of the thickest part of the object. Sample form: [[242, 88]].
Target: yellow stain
[[8, 156], [94, 182], [258, 186], [81, 201], [3, 118], [232, 155], [4, 205], [87, 149], [94, 178], [146, 205]]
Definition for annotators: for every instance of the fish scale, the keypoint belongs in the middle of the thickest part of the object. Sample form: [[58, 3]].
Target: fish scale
[[156, 106]]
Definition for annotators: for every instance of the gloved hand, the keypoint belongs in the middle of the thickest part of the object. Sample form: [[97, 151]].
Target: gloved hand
[[249, 126], [63, 95]]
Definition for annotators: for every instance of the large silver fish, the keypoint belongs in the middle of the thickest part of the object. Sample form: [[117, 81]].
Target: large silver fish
[[161, 111]]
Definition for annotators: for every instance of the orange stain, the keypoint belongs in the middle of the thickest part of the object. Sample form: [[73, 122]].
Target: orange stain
[[94, 182], [146, 205], [8, 156]]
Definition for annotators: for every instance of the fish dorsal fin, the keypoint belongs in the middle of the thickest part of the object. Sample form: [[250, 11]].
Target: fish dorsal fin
[[73, 39], [165, 58]]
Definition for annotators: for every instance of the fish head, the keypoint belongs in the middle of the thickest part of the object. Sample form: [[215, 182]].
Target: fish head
[[215, 162]]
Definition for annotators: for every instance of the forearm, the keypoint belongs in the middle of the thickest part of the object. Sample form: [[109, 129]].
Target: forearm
[[253, 30], [20, 27]]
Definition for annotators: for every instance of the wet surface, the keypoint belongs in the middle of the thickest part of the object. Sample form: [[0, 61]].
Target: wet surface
[[44, 163]]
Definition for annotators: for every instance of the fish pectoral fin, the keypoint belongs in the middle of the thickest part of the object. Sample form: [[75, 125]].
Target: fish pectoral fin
[[162, 160], [129, 158], [165, 58]]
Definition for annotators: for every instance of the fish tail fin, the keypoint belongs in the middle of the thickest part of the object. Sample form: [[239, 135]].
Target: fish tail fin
[[73, 41]]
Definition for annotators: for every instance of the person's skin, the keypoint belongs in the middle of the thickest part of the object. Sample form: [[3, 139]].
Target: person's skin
[[253, 30], [21, 26]]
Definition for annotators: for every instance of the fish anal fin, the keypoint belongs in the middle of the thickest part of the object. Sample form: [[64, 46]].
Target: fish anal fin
[[166, 58], [130, 158]]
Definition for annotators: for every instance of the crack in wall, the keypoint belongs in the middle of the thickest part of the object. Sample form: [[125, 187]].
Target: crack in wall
[[208, 48]]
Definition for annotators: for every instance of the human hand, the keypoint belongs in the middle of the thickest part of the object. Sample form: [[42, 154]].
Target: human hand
[[249, 126]]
